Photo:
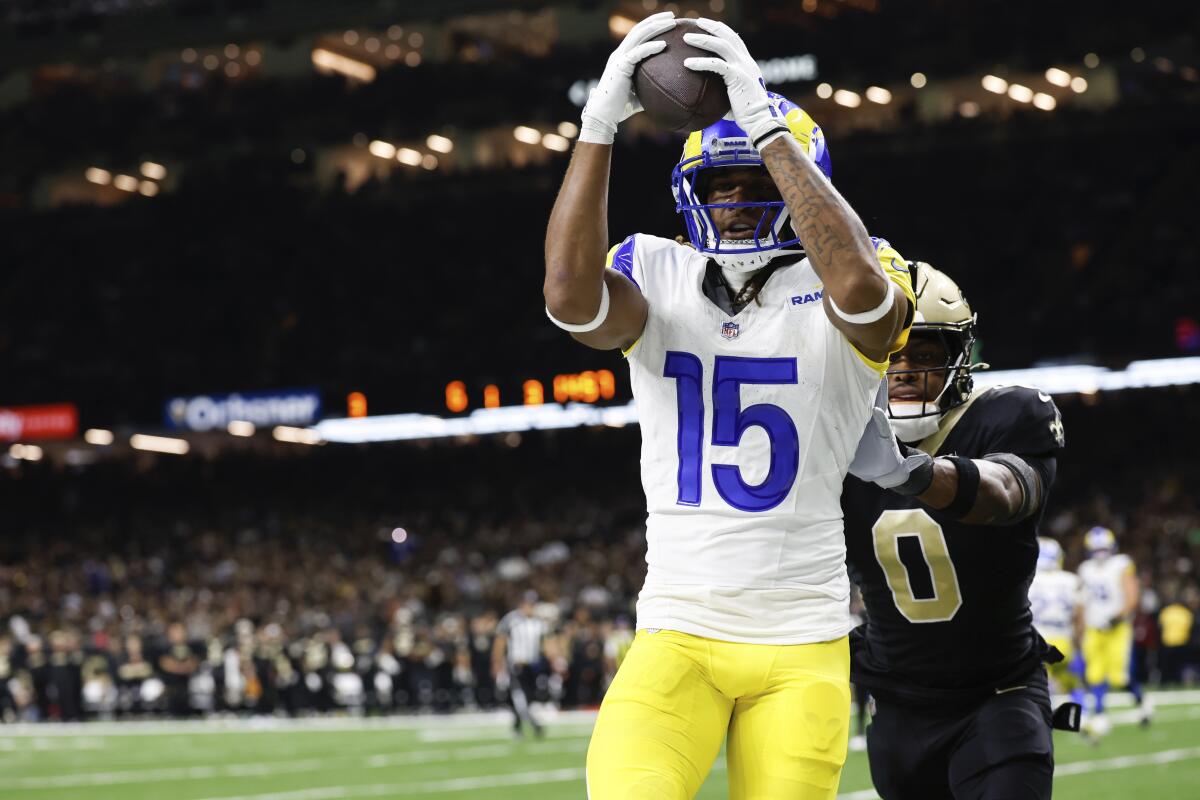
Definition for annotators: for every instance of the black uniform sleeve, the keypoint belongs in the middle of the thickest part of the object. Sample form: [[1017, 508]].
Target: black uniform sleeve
[[1024, 422]]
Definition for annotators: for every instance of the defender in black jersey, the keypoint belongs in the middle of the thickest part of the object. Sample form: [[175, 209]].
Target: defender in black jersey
[[944, 560]]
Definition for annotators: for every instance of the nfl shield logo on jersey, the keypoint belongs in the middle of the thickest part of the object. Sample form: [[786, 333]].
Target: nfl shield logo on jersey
[[729, 330]]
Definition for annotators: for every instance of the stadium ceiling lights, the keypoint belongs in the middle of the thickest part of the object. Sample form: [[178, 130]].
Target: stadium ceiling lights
[[1070, 379], [159, 444]]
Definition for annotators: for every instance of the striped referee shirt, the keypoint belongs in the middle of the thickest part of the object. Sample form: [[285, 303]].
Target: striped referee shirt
[[524, 637]]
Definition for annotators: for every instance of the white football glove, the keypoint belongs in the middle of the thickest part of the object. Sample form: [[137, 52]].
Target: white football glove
[[879, 458], [613, 101], [748, 101]]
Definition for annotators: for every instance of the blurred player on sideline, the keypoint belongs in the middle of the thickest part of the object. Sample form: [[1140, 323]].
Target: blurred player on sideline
[[515, 655], [944, 560], [1110, 598], [1054, 599], [755, 354]]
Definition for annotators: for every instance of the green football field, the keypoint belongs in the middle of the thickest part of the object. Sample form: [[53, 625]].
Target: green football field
[[473, 756]]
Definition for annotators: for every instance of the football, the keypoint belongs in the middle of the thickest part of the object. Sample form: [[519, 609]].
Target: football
[[675, 97]]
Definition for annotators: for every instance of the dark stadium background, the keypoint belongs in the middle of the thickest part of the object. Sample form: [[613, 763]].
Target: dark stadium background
[[193, 202]]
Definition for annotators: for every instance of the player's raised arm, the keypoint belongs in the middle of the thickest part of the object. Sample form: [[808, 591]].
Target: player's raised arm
[[861, 301], [602, 310]]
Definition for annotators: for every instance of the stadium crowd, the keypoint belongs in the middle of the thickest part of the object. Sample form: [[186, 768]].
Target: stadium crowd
[[372, 578]]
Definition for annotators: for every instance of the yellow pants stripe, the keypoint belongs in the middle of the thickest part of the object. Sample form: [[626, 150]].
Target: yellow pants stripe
[[785, 709], [1106, 654]]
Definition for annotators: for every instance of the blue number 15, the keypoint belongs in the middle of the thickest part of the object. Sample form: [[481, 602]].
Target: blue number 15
[[730, 421]]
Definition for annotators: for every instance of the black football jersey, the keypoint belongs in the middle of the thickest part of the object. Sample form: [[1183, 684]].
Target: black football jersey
[[947, 603]]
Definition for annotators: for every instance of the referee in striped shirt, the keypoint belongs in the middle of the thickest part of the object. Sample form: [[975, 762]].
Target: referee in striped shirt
[[516, 652]]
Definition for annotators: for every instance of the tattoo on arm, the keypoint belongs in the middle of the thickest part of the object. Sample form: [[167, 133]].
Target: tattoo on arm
[[828, 227]]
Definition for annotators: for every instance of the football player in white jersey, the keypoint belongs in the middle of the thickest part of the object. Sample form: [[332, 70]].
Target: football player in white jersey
[[1054, 599], [755, 355], [1110, 598]]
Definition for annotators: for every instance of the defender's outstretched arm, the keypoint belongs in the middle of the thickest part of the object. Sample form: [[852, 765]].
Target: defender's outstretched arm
[[1008, 489]]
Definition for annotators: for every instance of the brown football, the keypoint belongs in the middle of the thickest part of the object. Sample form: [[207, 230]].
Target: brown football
[[675, 97]]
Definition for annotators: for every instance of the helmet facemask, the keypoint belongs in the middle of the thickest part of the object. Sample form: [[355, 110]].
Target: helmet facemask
[[772, 237], [724, 144], [916, 419]]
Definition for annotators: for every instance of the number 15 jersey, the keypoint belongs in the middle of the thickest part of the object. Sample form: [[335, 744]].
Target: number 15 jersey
[[749, 423]]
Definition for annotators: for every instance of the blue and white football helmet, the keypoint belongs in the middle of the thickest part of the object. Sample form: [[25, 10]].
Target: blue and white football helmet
[[725, 144], [1100, 542], [1050, 555]]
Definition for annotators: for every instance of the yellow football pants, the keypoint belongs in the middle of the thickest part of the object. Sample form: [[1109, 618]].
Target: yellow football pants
[[785, 708], [1106, 654], [1060, 674]]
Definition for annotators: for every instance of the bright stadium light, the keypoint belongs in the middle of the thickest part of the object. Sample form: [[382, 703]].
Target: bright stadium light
[[552, 141], [26, 452], [286, 433], [995, 84], [619, 25], [148, 188], [1044, 101], [126, 183], [159, 444], [97, 175], [1058, 77], [1079, 84], [98, 437], [240, 427], [439, 144], [877, 94], [526, 134], [847, 98], [1022, 94], [918, 80], [568, 129], [153, 171], [381, 149], [824, 91], [408, 156], [429, 161], [328, 61]]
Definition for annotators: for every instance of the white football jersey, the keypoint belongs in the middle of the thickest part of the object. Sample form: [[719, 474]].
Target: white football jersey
[[1104, 595], [1053, 597], [749, 424]]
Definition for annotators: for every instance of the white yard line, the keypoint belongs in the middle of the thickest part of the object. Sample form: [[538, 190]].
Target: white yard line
[[260, 769], [446, 785], [489, 720], [1125, 762], [1084, 767], [576, 773]]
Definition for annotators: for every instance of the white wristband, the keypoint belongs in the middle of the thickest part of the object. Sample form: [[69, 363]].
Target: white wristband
[[597, 320], [594, 131], [867, 317]]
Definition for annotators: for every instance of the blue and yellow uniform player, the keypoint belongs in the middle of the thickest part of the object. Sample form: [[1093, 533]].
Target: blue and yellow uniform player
[[755, 353], [1054, 599], [1110, 598]]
